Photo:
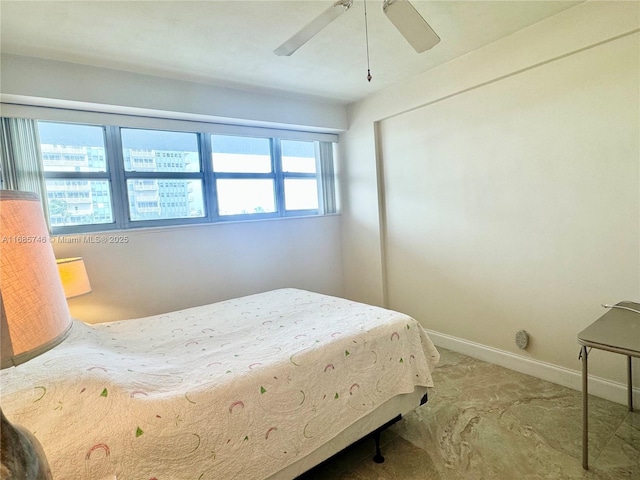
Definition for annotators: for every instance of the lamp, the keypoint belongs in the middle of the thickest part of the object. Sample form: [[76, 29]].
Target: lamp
[[34, 316], [74, 276]]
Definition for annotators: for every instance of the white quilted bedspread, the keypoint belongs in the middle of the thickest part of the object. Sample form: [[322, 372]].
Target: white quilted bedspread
[[233, 390]]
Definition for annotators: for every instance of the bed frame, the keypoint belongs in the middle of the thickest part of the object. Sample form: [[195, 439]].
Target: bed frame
[[384, 416]]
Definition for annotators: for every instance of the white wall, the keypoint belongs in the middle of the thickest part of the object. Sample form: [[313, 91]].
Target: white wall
[[501, 191], [165, 269], [35, 81]]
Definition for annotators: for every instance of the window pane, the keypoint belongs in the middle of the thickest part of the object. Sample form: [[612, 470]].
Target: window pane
[[240, 154], [301, 193], [159, 151], [245, 196], [72, 148], [79, 202], [298, 157], [154, 199]]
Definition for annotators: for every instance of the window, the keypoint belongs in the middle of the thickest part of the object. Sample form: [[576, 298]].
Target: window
[[107, 177], [76, 174], [158, 164], [245, 175], [299, 166], [250, 173]]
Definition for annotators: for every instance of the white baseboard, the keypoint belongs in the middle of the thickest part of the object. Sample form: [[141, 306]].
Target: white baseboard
[[600, 387]]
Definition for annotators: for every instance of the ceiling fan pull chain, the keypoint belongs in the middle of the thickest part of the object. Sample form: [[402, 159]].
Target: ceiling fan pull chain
[[366, 33]]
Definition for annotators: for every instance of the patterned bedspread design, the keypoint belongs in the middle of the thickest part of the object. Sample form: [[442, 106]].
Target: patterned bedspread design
[[233, 390]]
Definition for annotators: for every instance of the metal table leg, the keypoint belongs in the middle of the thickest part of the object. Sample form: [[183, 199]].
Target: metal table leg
[[585, 411]]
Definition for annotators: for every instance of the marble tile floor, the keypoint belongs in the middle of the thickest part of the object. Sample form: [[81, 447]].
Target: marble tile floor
[[486, 422]]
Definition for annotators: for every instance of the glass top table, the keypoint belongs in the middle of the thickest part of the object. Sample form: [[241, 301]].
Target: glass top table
[[616, 331]]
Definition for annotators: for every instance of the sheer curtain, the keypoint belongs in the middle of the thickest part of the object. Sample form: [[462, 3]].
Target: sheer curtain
[[328, 177], [21, 160]]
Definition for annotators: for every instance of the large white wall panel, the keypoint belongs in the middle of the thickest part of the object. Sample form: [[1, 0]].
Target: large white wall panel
[[50, 83], [166, 269], [500, 191], [517, 204]]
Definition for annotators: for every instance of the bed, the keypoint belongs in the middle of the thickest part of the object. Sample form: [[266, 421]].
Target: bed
[[261, 387]]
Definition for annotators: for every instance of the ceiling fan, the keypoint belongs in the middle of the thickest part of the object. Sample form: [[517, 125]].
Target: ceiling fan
[[400, 12]]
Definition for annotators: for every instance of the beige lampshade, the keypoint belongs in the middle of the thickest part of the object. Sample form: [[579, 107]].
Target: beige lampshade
[[34, 316], [74, 276]]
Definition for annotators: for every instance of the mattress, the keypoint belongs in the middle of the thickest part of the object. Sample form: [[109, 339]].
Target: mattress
[[239, 389]]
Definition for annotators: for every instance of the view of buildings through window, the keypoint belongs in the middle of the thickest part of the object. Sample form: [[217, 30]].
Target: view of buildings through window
[[67, 150], [164, 175], [169, 153]]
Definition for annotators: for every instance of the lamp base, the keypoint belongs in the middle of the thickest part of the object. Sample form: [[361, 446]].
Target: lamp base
[[21, 455]]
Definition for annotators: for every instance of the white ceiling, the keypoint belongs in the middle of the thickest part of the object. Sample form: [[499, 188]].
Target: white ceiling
[[231, 42]]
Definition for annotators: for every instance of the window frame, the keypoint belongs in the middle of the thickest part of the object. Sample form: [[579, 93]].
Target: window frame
[[317, 176], [85, 176], [117, 176], [124, 175], [239, 176]]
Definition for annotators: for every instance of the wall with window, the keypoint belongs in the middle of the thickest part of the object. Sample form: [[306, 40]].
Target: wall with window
[[501, 191], [165, 225]]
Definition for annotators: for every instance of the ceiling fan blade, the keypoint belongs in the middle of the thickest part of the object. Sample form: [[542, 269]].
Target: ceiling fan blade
[[410, 24], [313, 27]]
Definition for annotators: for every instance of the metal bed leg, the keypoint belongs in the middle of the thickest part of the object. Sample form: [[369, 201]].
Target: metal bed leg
[[585, 410], [630, 382], [378, 458]]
